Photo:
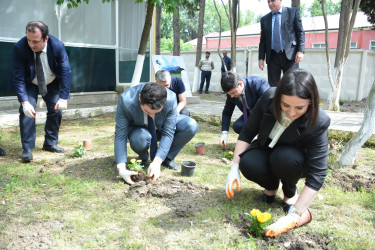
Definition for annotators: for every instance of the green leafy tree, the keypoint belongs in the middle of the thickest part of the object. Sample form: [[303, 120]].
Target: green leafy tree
[[368, 7], [331, 8], [166, 44]]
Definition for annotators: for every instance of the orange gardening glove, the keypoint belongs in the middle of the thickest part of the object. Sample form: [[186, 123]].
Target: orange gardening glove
[[283, 224], [153, 171], [233, 177]]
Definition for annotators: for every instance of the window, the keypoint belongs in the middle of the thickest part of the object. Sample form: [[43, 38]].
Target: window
[[372, 45], [319, 46], [353, 45]]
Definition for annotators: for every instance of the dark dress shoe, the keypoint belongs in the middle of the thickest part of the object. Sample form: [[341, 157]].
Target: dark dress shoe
[[170, 164], [268, 198], [286, 206], [206, 92], [53, 148], [27, 155], [2, 152]]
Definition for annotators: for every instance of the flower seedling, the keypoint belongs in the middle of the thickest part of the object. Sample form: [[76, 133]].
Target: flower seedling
[[79, 151], [227, 155], [259, 222], [135, 165]]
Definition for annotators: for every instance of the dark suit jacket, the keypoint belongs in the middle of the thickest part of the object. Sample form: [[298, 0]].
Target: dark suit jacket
[[292, 34], [129, 114], [254, 87], [23, 66], [313, 142]]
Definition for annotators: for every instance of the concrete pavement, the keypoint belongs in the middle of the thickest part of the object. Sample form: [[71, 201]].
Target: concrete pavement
[[9, 116]]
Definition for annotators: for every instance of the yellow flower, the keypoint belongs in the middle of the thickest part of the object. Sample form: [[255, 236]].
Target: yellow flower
[[230, 152], [254, 212], [268, 216], [262, 217], [139, 161], [132, 161]]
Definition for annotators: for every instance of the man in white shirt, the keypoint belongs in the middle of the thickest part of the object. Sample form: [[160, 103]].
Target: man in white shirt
[[206, 65]]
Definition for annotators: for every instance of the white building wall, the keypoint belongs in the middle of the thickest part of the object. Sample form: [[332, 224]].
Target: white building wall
[[359, 70]]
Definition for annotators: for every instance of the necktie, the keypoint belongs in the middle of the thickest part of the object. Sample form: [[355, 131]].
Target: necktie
[[154, 140], [244, 109], [40, 75], [276, 33]]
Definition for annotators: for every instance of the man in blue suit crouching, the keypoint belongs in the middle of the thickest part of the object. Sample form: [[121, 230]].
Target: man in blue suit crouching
[[141, 111]]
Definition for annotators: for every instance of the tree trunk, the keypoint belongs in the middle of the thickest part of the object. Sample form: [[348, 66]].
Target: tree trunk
[[218, 47], [296, 3], [176, 31], [157, 30], [348, 14], [143, 44], [351, 148], [198, 54], [234, 10]]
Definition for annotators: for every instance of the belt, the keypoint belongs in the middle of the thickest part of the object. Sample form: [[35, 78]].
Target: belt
[[280, 52]]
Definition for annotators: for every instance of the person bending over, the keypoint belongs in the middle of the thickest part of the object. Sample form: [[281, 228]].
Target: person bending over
[[243, 93]]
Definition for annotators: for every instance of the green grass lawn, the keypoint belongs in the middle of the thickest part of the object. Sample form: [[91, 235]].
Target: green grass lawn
[[61, 202]]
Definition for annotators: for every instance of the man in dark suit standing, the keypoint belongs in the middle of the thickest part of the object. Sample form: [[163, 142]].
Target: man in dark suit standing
[[40, 65], [227, 62], [282, 40]]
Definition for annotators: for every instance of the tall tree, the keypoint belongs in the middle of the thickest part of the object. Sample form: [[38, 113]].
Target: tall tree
[[331, 8], [296, 3], [234, 10], [198, 54], [348, 13], [355, 143], [368, 7], [176, 30], [157, 30]]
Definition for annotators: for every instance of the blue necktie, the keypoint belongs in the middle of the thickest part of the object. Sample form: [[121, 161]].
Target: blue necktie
[[154, 140], [276, 33], [244, 109]]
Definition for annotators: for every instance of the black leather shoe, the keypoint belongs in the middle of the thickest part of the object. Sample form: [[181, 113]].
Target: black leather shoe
[[53, 148], [206, 92], [170, 164], [27, 155], [2, 152], [268, 198], [286, 206]]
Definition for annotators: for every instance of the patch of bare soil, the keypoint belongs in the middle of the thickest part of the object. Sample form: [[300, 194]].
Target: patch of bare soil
[[349, 106], [36, 235], [352, 183], [184, 198], [288, 240]]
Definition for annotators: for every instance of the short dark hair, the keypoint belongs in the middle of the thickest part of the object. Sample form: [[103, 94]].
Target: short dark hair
[[33, 25], [229, 81], [208, 52], [301, 83], [154, 95]]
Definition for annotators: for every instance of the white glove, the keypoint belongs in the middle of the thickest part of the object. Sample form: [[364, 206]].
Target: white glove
[[125, 174], [283, 224], [153, 170], [233, 176], [61, 104], [28, 109], [223, 138]]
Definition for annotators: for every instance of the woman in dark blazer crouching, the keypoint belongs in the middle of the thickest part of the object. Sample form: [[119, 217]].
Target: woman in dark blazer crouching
[[292, 143]]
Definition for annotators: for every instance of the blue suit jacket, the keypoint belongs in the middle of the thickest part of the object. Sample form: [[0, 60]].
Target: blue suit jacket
[[129, 114], [254, 87], [292, 34], [23, 66]]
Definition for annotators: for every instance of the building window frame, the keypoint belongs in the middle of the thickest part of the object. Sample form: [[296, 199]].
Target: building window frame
[[372, 45], [318, 45]]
